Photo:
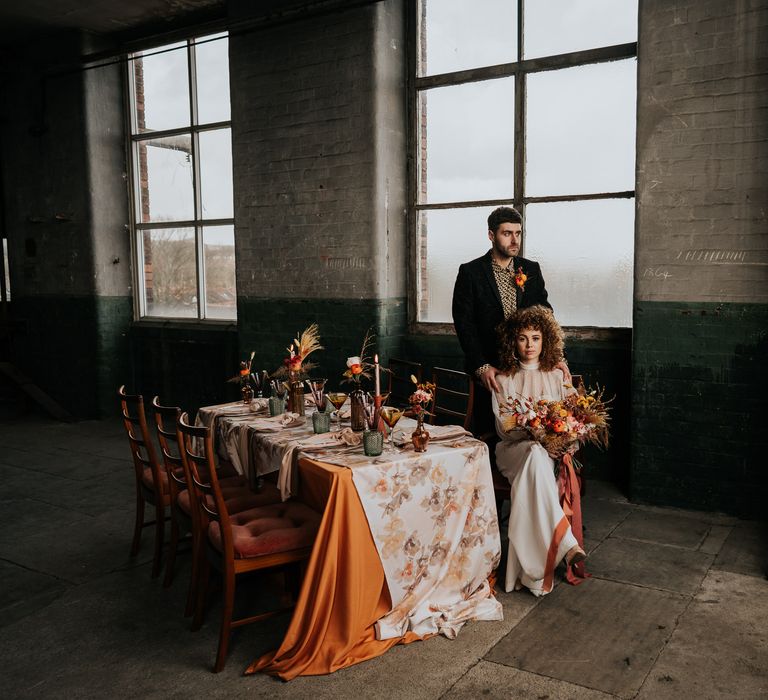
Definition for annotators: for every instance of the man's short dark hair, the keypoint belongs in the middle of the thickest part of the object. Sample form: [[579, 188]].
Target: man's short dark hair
[[503, 215]]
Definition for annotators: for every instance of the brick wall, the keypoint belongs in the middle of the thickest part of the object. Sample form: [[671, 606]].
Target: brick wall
[[701, 280], [318, 131]]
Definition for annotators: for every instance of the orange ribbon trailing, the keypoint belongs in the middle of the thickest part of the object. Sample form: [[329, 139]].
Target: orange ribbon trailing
[[569, 488]]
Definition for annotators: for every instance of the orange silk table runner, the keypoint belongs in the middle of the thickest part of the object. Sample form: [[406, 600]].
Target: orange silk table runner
[[344, 591]]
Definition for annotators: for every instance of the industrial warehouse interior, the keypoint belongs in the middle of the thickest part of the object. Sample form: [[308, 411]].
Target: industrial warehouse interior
[[246, 430]]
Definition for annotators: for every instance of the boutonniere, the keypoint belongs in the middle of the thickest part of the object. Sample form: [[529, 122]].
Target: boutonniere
[[520, 279]]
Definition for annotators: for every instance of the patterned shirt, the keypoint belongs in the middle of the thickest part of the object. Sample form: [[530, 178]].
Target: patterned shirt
[[505, 281]]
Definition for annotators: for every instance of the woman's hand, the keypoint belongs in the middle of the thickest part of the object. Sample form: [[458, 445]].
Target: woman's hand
[[558, 452]]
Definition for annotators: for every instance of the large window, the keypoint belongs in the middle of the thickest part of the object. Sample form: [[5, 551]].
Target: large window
[[181, 156], [528, 103]]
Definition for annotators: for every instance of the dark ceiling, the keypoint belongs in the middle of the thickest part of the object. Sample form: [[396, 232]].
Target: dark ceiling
[[22, 21]]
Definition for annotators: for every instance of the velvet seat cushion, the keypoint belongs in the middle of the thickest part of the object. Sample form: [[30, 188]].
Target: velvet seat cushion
[[280, 527], [237, 496]]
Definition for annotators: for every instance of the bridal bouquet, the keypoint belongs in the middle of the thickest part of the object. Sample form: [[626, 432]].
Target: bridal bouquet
[[560, 426]]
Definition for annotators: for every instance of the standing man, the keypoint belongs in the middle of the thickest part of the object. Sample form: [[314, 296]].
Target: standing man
[[487, 291]]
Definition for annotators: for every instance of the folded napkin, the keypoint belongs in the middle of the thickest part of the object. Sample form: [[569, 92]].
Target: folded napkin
[[277, 423], [286, 480]]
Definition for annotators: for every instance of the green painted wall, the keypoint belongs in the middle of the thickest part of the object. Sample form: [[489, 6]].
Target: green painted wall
[[268, 326], [186, 365], [74, 348], [698, 406]]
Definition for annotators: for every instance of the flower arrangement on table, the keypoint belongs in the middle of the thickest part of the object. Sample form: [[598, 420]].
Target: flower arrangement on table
[[247, 380], [420, 399], [295, 365], [359, 366], [560, 426]]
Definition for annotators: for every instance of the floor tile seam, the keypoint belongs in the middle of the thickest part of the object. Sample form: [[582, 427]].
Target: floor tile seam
[[128, 504], [709, 517], [660, 544], [33, 470], [39, 571], [551, 678], [763, 575], [666, 642], [601, 577], [453, 685], [613, 529], [27, 497]]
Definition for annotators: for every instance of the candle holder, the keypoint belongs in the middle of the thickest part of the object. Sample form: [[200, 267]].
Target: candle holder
[[321, 422], [373, 443]]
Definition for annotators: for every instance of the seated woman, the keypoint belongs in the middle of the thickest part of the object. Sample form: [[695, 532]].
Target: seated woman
[[531, 345]]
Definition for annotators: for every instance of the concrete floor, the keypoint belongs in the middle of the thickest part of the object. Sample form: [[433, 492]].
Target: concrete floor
[[677, 606]]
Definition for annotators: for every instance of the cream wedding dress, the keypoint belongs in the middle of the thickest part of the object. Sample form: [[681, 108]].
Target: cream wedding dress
[[539, 532]]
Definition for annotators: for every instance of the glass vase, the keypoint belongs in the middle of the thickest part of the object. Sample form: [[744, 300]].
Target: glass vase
[[420, 437], [276, 405], [296, 397], [357, 407], [247, 393]]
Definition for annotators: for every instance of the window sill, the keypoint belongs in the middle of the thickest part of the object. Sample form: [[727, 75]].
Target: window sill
[[227, 325], [571, 332]]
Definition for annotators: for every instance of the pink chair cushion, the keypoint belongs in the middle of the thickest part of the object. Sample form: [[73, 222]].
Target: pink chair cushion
[[237, 498], [279, 527], [149, 482]]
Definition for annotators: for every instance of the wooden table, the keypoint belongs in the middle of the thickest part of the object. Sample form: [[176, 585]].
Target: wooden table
[[436, 568]]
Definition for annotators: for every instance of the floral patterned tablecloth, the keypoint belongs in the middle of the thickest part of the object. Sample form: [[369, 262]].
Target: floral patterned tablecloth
[[432, 515]]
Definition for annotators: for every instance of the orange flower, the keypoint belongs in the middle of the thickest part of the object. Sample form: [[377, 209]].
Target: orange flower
[[356, 369], [244, 372], [534, 422], [520, 279], [559, 426]]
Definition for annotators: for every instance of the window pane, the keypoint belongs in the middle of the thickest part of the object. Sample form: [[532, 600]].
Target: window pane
[[165, 179], [581, 130], [449, 237], [454, 37], [219, 252], [554, 27], [161, 85], [469, 142], [212, 67], [216, 173], [586, 254], [170, 277]]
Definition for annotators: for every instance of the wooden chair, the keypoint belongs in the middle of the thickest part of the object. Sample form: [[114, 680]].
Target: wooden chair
[[234, 488], [165, 423], [238, 543], [151, 479], [454, 397], [400, 384]]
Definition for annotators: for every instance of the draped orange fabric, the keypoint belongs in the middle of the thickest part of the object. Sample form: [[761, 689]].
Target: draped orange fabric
[[344, 590], [570, 500]]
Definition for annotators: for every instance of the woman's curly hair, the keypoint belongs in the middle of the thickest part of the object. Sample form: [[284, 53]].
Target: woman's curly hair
[[538, 318]]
